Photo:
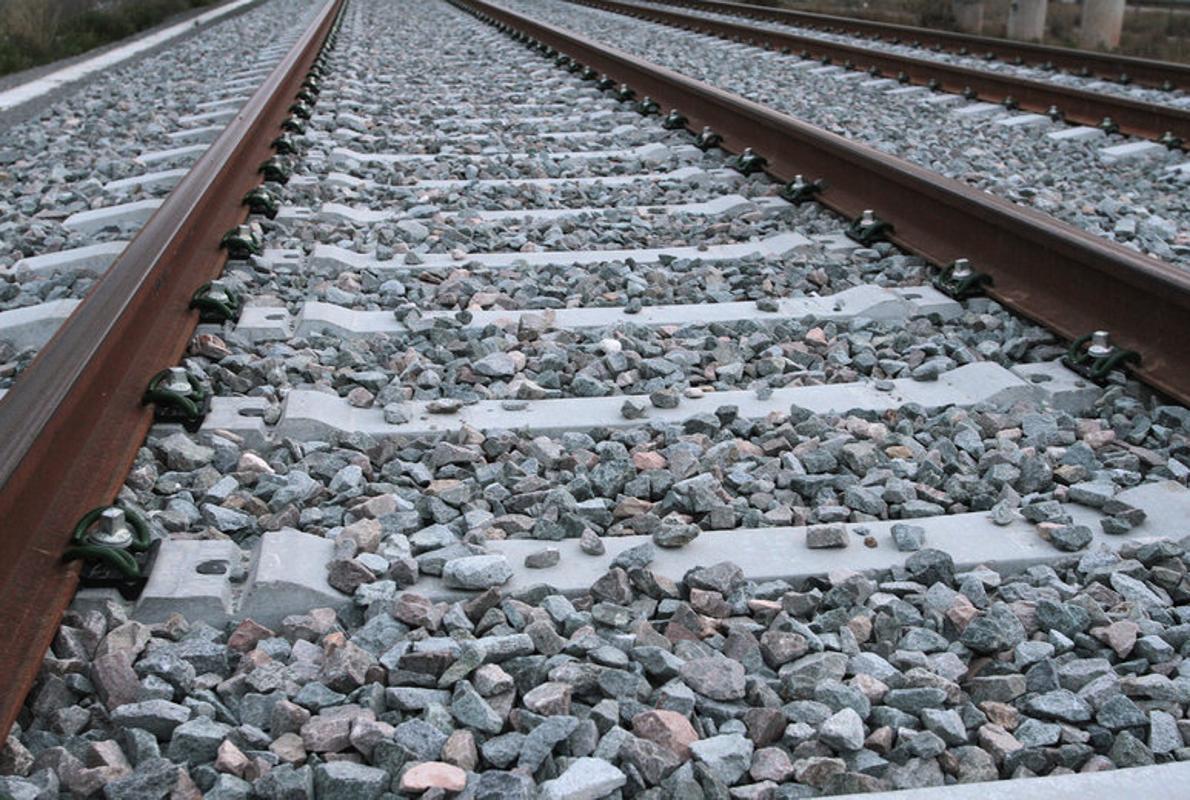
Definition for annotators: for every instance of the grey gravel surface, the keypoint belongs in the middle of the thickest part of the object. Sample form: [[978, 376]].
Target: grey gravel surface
[[1133, 202], [641, 687]]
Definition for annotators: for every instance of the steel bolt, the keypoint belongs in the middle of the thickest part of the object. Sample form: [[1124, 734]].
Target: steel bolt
[[961, 269], [218, 291], [178, 381], [111, 529], [1100, 345]]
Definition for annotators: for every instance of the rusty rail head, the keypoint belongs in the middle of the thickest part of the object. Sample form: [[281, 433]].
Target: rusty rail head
[[1061, 276], [1109, 66], [1087, 108], [71, 426]]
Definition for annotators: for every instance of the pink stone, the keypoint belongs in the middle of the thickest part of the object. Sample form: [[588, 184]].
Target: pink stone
[[771, 764], [1120, 636], [998, 741], [647, 459], [433, 775], [460, 750], [247, 635], [669, 729], [961, 612], [550, 698], [231, 759]]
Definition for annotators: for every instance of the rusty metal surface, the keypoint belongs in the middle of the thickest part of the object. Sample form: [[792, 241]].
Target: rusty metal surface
[[1087, 108], [1109, 66], [71, 426], [1063, 277]]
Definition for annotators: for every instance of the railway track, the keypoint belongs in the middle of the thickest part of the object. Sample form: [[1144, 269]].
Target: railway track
[[1107, 66], [559, 323], [1134, 117]]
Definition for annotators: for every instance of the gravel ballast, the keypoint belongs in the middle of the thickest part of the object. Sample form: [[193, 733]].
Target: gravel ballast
[[641, 685]]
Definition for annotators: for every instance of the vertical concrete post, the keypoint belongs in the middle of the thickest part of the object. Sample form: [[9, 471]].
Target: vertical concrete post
[[1101, 23], [1026, 20], [968, 15]]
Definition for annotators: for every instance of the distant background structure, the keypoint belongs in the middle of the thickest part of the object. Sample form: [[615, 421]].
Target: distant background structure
[[1148, 28]]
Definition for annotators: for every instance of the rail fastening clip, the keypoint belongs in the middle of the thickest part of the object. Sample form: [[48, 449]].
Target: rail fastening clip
[[868, 229], [178, 396], [959, 281], [1094, 356], [217, 302], [707, 139], [243, 241], [674, 121], [114, 545], [799, 190]]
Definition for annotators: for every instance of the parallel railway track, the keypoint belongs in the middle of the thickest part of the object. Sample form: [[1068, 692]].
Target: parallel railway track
[[1075, 105], [1108, 66], [76, 420]]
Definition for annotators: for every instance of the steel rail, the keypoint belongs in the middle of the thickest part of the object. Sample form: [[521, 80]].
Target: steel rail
[[1067, 279], [71, 426], [1077, 105], [1109, 66]]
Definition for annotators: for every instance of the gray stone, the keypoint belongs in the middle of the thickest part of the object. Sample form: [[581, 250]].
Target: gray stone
[[1060, 704], [1164, 735], [844, 731], [727, 756], [994, 631], [673, 533], [476, 572], [546, 557], [344, 780], [1071, 538], [716, 677], [584, 779], [196, 741], [182, 453], [652, 761], [473, 711], [590, 543], [637, 557], [908, 538], [826, 536], [158, 717], [1137, 592], [152, 780], [542, 740], [493, 785]]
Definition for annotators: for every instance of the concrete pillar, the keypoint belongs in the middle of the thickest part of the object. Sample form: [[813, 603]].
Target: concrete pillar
[[968, 15], [1101, 23], [1026, 20]]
